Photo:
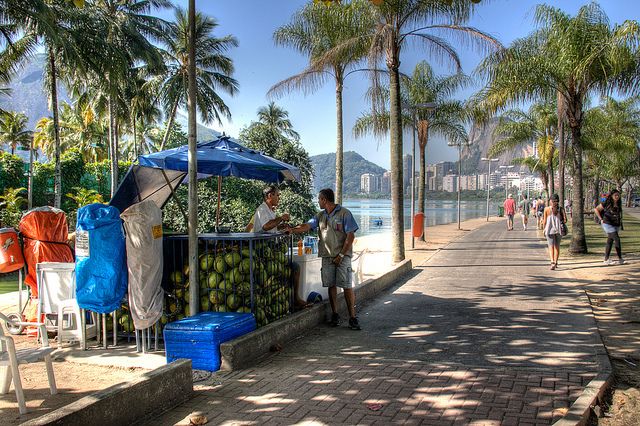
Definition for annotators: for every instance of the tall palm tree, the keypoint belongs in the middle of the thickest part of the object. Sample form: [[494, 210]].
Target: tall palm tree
[[13, 130], [277, 119], [315, 30], [50, 24], [446, 116], [128, 29], [611, 135], [426, 25], [569, 56], [81, 127], [213, 69], [539, 124]]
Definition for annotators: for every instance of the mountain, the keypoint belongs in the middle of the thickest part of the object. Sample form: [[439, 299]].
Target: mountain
[[481, 139], [324, 166], [204, 133], [29, 96]]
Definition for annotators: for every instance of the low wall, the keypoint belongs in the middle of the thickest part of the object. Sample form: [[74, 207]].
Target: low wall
[[243, 351], [126, 403]]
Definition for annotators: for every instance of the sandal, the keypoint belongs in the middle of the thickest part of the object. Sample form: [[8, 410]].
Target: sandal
[[553, 266]]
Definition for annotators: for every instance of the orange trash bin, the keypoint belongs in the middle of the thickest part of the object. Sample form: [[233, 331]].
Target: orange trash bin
[[418, 225], [11, 258]]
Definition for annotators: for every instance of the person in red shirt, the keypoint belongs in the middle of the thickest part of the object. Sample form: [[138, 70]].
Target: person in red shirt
[[510, 211]]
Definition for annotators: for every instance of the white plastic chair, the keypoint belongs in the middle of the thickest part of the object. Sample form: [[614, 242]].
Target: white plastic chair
[[57, 300], [10, 358]]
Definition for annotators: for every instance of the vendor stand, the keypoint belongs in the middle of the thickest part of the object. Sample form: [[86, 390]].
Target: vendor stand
[[238, 271]]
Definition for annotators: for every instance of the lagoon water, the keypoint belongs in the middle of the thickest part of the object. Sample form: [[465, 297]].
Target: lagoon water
[[438, 212]]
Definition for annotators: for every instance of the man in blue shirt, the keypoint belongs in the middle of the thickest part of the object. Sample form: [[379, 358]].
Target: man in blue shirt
[[336, 231]]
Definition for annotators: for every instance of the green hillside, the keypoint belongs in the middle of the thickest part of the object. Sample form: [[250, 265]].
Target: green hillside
[[324, 166]]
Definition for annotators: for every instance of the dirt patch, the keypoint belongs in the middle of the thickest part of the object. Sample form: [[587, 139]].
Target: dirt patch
[[614, 293], [73, 380]]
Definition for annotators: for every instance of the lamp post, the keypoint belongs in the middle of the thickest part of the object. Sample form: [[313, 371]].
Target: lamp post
[[459, 146], [506, 183], [429, 107], [490, 160]]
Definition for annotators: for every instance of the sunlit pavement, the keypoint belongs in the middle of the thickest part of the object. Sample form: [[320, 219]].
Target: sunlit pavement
[[483, 333]]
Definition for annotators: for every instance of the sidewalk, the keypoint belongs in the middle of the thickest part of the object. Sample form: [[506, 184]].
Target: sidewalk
[[481, 333]]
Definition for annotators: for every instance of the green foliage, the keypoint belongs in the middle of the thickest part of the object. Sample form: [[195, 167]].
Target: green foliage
[[12, 202], [325, 176], [239, 199], [271, 142], [11, 171], [97, 176], [84, 196]]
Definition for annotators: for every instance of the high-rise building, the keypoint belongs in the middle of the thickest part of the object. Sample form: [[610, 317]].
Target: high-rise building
[[450, 183], [369, 183], [385, 183], [407, 171]]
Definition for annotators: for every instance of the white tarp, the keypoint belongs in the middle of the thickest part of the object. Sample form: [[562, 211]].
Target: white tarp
[[143, 228]]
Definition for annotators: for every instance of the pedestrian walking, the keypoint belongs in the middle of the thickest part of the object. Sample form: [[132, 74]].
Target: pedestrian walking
[[525, 210], [336, 231], [510, 211], [610, 215], [540, 206], [555, 220]]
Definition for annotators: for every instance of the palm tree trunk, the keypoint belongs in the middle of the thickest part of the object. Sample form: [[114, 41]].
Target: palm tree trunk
[[135, 138], [167, 132], [194, 298], [552, 183], [339, 142], [578, 238], [561, 160], [30, 181], [423, 140], [397, 196], [113, 146], [57, 174]]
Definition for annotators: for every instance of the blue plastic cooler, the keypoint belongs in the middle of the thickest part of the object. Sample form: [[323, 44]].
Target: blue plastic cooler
[[198, 337]]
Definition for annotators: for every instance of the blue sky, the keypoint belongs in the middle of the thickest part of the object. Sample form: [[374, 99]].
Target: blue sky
[[260, 64]]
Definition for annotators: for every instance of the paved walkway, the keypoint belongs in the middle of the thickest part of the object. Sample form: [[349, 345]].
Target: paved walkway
[[482, 333]]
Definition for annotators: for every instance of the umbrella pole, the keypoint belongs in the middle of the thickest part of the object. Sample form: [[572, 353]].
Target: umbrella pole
[[218, 209], [173, 194]]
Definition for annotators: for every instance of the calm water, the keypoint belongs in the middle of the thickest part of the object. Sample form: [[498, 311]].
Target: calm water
[[438, 212]]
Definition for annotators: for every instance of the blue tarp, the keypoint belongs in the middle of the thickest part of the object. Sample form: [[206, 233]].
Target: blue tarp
[[101, 267]]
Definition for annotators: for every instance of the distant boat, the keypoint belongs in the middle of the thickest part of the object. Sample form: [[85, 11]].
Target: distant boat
[[377, 222]]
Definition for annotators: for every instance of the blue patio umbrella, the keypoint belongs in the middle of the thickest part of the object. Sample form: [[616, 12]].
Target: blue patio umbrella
[[224, 157], [221, 157]]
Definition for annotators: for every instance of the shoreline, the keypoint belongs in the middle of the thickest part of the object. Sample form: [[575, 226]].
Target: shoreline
[[376, 248]]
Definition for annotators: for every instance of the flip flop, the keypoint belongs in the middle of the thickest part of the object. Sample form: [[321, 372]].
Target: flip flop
[[303, 305]]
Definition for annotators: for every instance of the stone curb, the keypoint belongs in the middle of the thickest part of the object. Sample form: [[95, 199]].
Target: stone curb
[[580, 411], [129, 402], [243, 351]]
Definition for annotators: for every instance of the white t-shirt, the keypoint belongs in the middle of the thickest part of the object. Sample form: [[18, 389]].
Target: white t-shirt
[[263, 215]]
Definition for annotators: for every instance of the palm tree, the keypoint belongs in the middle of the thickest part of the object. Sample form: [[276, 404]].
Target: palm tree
[[81, 127], [315, 30], [213, 69], [446, 116], [277, 119], [571, 57], [127, 31], [399, 23], [516, 128], [611, 135], [49, 23], [13, 130]]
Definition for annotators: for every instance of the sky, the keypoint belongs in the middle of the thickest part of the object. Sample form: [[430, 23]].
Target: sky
[[259, 64]]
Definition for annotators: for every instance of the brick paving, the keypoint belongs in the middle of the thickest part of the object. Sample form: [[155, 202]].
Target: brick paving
[[471, 338]]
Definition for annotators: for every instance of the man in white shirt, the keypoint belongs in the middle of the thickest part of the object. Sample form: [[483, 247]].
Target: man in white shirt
[[265, 219]]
